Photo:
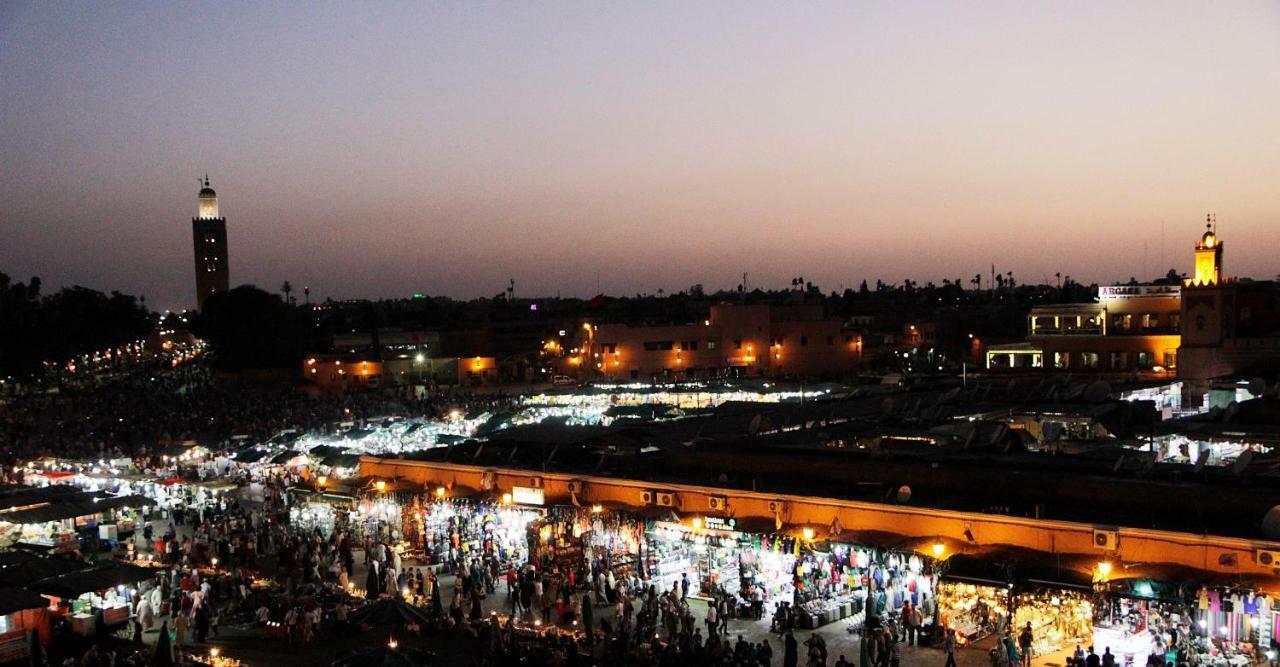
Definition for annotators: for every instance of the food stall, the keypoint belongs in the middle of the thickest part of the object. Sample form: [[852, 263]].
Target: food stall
[[104, 592]]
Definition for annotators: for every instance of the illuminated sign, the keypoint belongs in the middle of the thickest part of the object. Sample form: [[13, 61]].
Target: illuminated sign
[[527, 495], [717, 523], [1129, 291]]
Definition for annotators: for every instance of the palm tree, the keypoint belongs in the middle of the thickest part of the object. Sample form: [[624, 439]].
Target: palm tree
[[287, 288]]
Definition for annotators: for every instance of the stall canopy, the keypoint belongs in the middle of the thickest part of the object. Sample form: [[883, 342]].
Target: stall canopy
[[973, 570], [81, 505], [36, 568], [13, 600], [76, 584]]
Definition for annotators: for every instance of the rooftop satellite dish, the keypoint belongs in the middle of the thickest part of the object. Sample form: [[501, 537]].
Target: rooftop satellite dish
[[1072, 392], [754, 427], [1271, 523], [1013, 384], [1119, 464], [1242, 462], [904, 494], [887, 405], [1257, 387], [1097, 392]]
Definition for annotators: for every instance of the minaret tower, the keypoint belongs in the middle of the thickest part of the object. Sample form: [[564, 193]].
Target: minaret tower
[[209, 232], [1208, 255]]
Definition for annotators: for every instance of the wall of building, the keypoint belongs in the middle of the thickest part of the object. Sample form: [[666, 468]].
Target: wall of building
[[958, 531]]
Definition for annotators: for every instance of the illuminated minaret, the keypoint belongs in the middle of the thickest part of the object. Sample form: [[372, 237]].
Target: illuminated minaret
[[209, 232], [1208, 255]]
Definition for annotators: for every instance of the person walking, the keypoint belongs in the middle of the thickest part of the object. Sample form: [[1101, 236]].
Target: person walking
[[1024, 644], [791, 651], [950, 645]]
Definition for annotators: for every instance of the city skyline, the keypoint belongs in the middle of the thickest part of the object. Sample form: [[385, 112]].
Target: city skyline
[[578, 148]]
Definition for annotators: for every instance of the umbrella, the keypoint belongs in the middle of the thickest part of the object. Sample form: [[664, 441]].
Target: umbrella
[[383, 656], [163, 653], [389, 613], [588, 618]]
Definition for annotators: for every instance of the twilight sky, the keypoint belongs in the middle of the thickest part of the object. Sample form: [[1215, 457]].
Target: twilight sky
[[378, 149]]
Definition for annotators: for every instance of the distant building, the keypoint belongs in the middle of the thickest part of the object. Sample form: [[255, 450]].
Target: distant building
[[735, 340], [209, 234]]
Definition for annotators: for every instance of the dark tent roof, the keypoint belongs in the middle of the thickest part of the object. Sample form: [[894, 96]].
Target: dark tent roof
[[36, 568], [283, 457], [11, 558], [382, 656], [98, 579], [16, 599], [389, 613], [341, 460], [973, 570], [251, 454]]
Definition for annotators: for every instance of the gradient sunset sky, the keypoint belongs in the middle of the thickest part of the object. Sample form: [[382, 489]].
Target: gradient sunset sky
[[380, 149]]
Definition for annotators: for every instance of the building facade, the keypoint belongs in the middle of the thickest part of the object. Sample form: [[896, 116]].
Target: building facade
[[734, 340], [209, 235]]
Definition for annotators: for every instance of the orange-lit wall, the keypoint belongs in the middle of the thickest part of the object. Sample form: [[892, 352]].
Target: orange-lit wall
[[918, 527]]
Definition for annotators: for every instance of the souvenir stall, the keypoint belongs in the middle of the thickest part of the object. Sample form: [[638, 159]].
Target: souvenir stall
[[1234, 625], [612, 538], [838, 581], [707, 551], [973, 598], [1060, 618], [453, 530], [1138, 617]]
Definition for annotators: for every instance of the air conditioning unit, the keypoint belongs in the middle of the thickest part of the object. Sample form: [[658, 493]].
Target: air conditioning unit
[[575, 486], [717, 503], [1267, 558], [666, 499], [776, 506], [535, 482], [646, 497], [1108, 540]]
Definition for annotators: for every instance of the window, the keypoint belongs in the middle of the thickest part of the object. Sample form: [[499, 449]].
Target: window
[[1089, 359], [831, 340], [1060, 359], [737, 343], [711, 344], [1150, 321], [656, 345], [1126, 322], [1175, 321], [1119, 361], [1171, 359], [804, 341], [610, 348], [689, 345]]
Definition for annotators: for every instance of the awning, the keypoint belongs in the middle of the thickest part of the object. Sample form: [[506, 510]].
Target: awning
[[13, 600], [89, 581], [36, 568], [971, 570]]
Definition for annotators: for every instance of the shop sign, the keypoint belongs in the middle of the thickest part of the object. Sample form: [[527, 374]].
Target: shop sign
[[527, 495], [718, 523]]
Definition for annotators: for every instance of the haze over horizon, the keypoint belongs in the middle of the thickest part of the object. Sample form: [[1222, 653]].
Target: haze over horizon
[[381, 150]]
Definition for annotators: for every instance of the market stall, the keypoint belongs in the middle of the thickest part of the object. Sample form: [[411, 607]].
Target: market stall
[[1139, 617], [973, 598]]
